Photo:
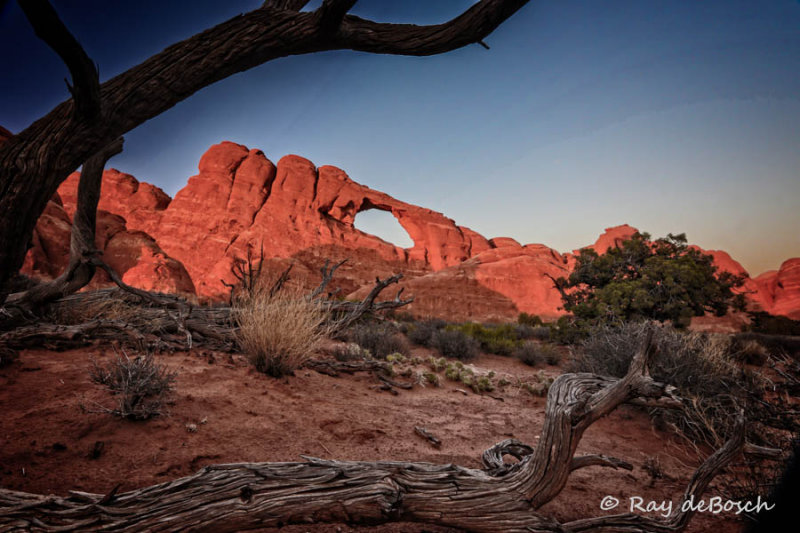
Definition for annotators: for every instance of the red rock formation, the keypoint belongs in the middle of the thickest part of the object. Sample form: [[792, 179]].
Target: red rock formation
[[613, 238], [134, 255], [49, 253], [302, 214], [781, 289], [240, 200]]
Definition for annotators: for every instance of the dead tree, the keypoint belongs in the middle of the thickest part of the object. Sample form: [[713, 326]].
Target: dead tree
[[34, 162], [83, 255], [498, 498]]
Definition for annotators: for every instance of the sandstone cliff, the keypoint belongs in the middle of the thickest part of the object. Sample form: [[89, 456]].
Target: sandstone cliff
[[303, 214]]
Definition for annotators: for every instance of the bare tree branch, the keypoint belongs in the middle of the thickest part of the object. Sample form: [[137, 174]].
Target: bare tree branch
[[331, 13], [49, 28], [80, 269], [287, 5], [470, 27], [34, 162]]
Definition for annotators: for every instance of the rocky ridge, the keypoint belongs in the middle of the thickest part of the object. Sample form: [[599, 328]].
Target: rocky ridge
[[302, 214]]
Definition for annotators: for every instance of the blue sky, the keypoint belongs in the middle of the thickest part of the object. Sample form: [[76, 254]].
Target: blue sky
[[672, 116]]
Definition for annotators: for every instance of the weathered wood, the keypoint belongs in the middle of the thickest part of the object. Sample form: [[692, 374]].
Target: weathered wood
[[236, 497], [428, 436], [34, 162], [81, 268]]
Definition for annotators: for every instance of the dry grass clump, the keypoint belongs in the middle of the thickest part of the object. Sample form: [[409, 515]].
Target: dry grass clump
[[279, 330], [141, 386]]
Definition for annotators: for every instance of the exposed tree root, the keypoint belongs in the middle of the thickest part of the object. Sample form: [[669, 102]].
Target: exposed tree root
[[498, 498]]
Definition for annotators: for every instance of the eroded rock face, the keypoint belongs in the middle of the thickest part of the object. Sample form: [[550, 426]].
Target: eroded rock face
[[781, 289], [133, 254], [241, 200], [302, 214]]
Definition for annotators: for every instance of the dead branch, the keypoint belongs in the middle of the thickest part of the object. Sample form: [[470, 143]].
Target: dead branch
[[505, 498], [428, 436], [81, 268], [34, 162], [85, 88], [327, 275], [350, 312]]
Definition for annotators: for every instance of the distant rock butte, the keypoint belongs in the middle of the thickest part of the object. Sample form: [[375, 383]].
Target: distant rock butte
[[302, 214]]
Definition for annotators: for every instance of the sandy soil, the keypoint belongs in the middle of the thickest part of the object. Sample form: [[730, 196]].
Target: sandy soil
[[46, 439]]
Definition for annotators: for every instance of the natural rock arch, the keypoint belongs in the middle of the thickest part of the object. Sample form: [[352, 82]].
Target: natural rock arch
[[383, 224]]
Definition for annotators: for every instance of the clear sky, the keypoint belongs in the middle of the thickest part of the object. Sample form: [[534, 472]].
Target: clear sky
[[671, 116]]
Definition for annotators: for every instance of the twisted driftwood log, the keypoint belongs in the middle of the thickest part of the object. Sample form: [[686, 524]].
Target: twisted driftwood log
[[236, 497]]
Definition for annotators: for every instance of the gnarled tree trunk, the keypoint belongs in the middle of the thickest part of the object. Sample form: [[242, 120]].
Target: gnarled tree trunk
[[35, 162]]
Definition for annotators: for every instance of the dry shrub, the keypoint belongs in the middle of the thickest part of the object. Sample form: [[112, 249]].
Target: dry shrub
[[281, 331], [699, 365], [349, 352], [533, 353], [750, 351], [455, 343], [529, 354], [422, 332], [380, 339], [141, 386]]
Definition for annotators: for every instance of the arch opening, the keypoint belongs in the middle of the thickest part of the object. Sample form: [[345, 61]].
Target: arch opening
[[383, 225]]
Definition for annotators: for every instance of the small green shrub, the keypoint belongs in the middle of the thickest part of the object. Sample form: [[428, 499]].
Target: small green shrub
[[431, 378], [456, 344], [529, 320], [396, 357], [380, 339], [499, 339]]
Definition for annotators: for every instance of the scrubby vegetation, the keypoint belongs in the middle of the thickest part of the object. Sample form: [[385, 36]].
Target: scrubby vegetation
[[664, 280], [455, 344], [140, 385], [500, 339], [534, 353], [761, 322], [422, 332], [279, 330], [701, 366], [379, 338]]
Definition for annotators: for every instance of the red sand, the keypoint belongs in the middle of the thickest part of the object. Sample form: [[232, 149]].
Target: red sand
[[243, 416]]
